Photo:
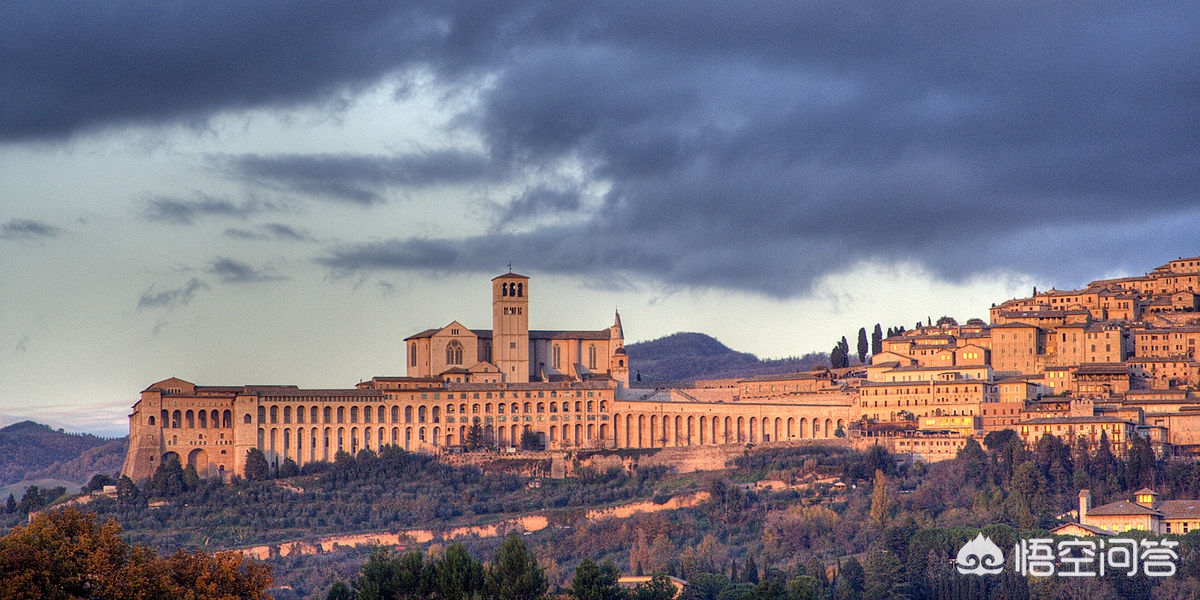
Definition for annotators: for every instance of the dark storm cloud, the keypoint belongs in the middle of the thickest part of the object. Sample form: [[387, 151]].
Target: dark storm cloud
[[755, 147], [229, 270], [26, 229], [171, 298], [541, 200], [361, 180]]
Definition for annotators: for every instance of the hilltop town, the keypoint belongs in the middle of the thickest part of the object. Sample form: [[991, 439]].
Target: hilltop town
[[1113, 360]]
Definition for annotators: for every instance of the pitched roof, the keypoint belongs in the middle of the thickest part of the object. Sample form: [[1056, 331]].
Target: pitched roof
[[1180, 509], [1121, 508]]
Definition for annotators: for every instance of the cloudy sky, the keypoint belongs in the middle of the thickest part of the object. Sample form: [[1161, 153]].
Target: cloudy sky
[[242, 192]]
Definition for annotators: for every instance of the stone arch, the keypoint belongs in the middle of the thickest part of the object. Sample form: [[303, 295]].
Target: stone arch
[[791, 427], [828, 428], [198, 458], [803, 426], [753, 430], [703, 423], [816, 428]]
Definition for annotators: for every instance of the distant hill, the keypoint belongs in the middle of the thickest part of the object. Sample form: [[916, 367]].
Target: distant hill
[[106, 459], [26, 447], [691, 356]]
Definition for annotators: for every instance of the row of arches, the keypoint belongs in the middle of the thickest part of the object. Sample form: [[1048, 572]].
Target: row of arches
[[656, 431], [276, 414], [194, 419]]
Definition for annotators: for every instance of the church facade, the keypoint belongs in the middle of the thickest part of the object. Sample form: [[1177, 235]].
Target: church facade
[[570, 388]]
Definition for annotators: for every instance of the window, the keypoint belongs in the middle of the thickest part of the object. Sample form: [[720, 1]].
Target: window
[[557, 360], [412, 354], [592, 357], [454, 353]]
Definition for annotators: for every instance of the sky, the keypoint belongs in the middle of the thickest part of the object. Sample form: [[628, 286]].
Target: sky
[[278, 193]]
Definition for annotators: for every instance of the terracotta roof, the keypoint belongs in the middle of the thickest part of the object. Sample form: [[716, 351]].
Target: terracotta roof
[[1102, 369], [1072, 420], [1180, 509], [1091, 528], [1121, 508], [602, 334], [508, 275]]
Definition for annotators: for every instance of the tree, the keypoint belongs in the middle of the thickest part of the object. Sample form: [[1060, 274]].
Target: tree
[[97, 483], [458, 576], [851, 580], [340, 591], [66, 554], [32, 500], [530, 440], [514, 573], [167, 479], [658, 588], [10, 505], [387, 577], [474, 438], [883, 576], [596, 581], [876, 340], [881, 502], [289, 468], [863, 346], [256, 465]]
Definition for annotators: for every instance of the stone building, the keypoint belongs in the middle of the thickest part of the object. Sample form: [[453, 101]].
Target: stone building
[[569, 388]]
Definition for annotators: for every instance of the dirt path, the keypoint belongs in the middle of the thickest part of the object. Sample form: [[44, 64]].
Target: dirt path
[[407, 537]]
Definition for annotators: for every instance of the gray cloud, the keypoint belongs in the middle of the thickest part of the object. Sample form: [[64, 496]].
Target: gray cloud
[[757, 148], [541, 200], [171, 298], [233, 271], [26, 229], [270, 232], [187, 212], [361, 180]]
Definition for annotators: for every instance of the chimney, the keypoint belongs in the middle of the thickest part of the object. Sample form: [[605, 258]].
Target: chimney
[[1085, 502]]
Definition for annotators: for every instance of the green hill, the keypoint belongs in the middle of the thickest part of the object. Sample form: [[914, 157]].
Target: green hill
[[27, 447], [690, 356]]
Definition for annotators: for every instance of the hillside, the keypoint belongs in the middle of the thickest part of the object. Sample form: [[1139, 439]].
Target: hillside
[[26, 447], [106, 459], [689, 356]]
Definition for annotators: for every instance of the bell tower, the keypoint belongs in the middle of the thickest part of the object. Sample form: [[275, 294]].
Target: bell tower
[[510, 326]]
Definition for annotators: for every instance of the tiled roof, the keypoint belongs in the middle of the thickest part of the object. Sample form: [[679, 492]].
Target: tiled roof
[[1180, 509], [1121, 508]]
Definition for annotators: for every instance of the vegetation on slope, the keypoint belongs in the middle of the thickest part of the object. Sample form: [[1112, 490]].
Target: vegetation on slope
[[27, 447]]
